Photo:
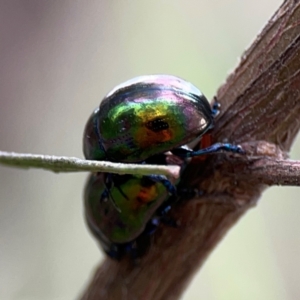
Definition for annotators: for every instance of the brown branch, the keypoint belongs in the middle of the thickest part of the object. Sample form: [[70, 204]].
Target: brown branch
[[275, 172], [260, 102], [267, 164]]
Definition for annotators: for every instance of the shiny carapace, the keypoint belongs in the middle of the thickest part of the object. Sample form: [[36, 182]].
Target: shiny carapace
[[145, 116], [137, 198]]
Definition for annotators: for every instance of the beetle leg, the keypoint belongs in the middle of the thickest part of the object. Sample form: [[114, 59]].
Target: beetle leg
[[152, 226], [104, 196], [115, 252], [157, 220], [109, 183], [161, 217], [106, 193], [166, 183], [227, 147], [215, 110]]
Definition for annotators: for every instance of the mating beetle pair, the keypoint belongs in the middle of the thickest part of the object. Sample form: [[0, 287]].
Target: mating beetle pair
[[139, 121]]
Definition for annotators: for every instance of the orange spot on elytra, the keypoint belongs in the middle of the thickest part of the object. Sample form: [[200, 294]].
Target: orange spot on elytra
[[150, 138], [145, 196]]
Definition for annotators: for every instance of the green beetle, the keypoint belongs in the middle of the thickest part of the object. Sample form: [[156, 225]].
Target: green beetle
[[137, 198], [145, 116]]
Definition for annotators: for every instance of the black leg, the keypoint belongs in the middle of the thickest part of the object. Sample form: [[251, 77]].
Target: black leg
[[106, 195], [215, 110], [163, 180], [227, 147]]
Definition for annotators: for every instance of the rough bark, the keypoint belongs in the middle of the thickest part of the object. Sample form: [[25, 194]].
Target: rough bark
[[260, 110]]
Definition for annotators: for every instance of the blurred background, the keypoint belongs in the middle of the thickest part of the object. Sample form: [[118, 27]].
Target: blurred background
[[58, 59]]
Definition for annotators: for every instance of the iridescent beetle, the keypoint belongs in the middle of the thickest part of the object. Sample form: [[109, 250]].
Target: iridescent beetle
[[149, 115], [138, 198], [142, 204]]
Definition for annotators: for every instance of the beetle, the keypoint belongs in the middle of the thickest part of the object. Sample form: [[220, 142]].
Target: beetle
[[119, 231], [122, 211], [145, 116], [142, 203]]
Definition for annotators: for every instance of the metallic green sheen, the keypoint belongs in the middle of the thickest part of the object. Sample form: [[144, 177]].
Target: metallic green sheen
[[146, 116], [112, 226], [91, 145]]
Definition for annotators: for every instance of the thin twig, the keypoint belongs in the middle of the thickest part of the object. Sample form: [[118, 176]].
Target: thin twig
[[74, 164]]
